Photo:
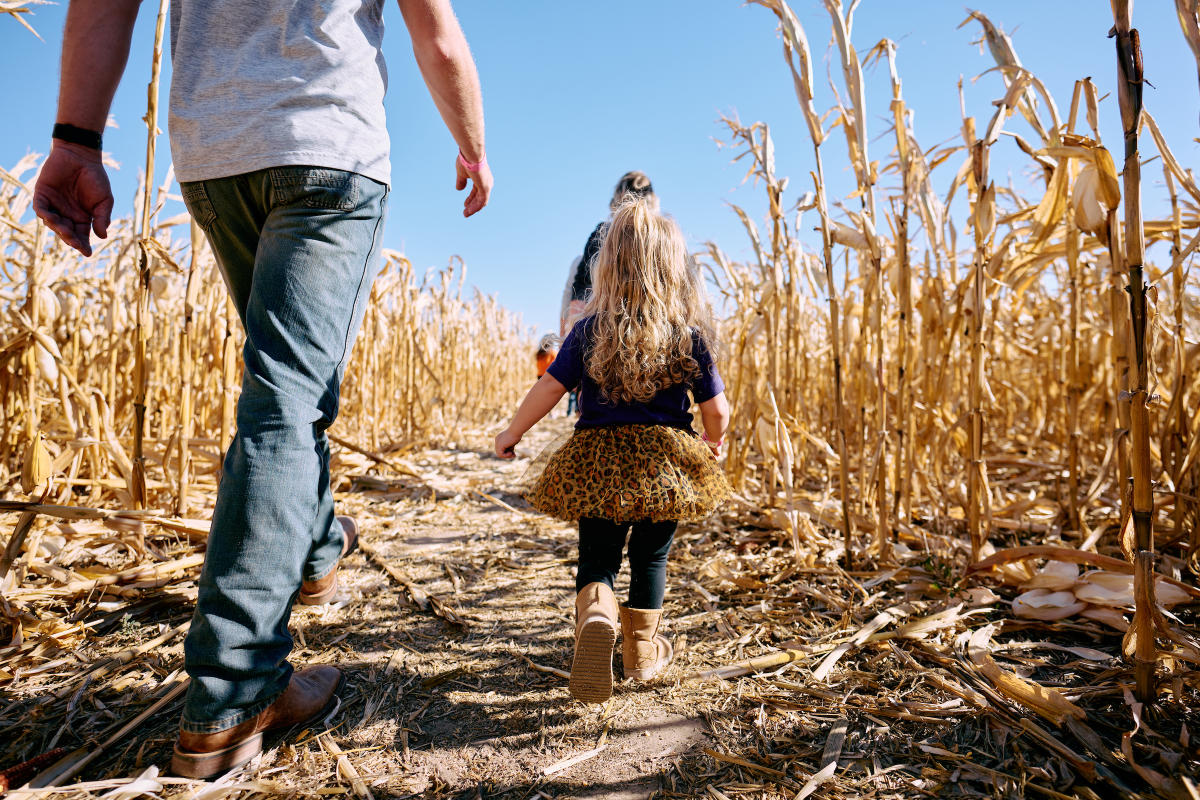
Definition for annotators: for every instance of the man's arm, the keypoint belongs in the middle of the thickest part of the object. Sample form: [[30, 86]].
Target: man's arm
[[449, 71], [72, 194]]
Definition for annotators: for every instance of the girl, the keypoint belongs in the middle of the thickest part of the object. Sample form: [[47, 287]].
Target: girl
[[645, 341]]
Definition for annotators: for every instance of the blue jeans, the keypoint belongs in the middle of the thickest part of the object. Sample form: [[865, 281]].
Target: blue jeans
[[298, 248]]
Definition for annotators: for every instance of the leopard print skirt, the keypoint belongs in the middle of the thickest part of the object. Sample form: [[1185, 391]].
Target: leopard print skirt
[[627, 473]]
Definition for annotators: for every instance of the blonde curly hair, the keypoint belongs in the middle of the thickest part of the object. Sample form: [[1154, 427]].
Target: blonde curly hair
[[647, 303]]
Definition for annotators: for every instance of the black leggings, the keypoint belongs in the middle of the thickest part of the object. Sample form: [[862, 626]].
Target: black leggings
[[600, 544]]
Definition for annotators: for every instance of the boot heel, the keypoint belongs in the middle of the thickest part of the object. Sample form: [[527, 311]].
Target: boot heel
[[591, 669]]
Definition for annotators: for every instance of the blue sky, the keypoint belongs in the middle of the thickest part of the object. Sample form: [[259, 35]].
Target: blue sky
[[577, 93]]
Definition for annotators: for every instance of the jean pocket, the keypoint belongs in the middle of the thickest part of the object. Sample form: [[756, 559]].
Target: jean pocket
[[195, 197], [315, 187]]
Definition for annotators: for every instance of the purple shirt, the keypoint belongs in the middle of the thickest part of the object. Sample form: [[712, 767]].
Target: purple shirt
[[670, 407]]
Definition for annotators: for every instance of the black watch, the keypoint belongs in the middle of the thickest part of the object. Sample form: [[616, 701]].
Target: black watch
[[75, 135]]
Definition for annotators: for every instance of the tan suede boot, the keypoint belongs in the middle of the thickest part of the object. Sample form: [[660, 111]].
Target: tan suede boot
[[644, 651], [595, 637]]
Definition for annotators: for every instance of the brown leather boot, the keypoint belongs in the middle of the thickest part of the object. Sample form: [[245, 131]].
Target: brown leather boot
[[324, 590], [311, 693], [595, 637], [644, 651]]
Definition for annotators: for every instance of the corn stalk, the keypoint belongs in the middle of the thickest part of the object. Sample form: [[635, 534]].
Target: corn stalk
[[187, 367], [140, 364], [1129, 92], [1073, 383], [902, 501], [1175, 445], [854, 123], [798, 56], [983, 221], [982, 192]]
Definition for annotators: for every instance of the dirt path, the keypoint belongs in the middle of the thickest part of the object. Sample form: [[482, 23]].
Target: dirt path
[[454, 633], [455, 636], [450, 696]]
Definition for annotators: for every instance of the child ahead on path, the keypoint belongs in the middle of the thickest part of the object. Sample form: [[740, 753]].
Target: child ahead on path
[[645, 341], [547, 350]]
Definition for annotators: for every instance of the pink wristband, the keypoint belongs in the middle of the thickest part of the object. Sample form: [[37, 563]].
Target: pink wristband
[[704, 438], [472, 166]]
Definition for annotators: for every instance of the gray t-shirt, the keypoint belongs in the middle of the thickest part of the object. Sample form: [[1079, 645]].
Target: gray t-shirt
[[270, 83]]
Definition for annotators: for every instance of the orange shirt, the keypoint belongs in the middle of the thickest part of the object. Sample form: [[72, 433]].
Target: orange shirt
[[544, 361]]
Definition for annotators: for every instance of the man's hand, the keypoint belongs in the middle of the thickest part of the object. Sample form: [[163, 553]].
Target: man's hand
[[72, 195], [481, 186], [449, 71], [505, 442]]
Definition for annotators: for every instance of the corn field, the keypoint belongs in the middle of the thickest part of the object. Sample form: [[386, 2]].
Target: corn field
[[1013, 392], [991, 377], [429, 359]]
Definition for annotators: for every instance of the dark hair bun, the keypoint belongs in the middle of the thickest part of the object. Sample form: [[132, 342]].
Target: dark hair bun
[[636, 184]]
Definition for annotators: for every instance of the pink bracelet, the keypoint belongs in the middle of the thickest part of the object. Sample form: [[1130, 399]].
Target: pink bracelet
[[472, 166], [704, 438]]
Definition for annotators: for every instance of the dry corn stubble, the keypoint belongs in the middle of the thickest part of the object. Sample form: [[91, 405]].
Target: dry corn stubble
[[431, 360], [1024, 422], [811, 380]]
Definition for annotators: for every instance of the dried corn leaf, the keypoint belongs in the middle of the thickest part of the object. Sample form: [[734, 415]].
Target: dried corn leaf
[[1045, 701], [882, 620]]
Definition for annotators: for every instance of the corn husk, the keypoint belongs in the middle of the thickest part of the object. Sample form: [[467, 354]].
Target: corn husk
[[1107, 615], [1115, 590], [1046, 605], [1090, 215], [37, 466], [1055, 576]]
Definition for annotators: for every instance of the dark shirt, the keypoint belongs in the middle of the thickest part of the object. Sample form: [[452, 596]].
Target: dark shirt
[[670, 407], [583, 273]]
